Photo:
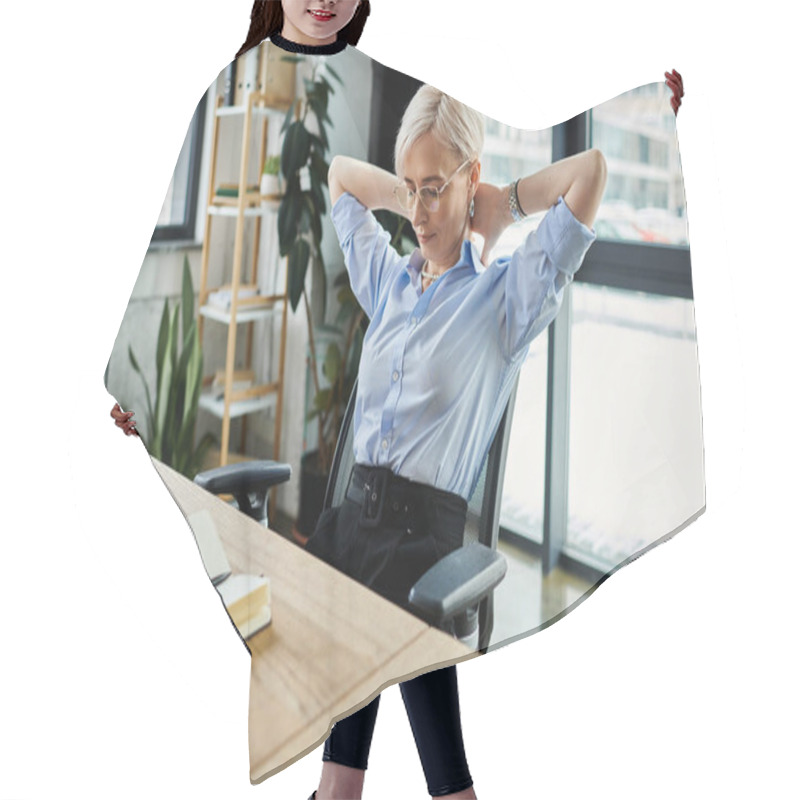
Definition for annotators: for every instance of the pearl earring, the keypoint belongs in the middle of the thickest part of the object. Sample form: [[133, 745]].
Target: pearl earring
[[472, 208]]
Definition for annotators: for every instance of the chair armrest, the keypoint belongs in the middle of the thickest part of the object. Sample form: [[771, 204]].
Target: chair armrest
[[243, 479], [457, 582]]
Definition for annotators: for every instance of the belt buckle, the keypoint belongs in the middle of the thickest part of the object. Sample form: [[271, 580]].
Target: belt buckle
[[374, 497]]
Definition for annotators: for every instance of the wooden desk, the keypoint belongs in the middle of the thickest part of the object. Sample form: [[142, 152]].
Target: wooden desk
[[332, 646]]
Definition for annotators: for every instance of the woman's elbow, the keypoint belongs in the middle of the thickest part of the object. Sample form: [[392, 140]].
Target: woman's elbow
[[334, 178], [598, 169], [332, 169], [590, 187]]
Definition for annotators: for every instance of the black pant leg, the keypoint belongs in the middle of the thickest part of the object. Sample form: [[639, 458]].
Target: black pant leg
[[351, 737], [433, 710]]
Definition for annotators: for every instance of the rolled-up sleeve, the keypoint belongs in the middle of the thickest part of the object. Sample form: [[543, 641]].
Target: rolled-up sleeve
[[369, 257], [534, 276]]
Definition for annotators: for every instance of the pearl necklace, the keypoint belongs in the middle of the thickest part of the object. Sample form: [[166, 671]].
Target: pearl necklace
[[430, 275]]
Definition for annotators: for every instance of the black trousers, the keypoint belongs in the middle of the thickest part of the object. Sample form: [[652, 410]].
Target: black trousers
[[386, 536]]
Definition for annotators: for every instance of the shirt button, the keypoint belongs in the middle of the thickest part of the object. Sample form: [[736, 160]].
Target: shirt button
[[385, 443], [413, 320], [395, 375]]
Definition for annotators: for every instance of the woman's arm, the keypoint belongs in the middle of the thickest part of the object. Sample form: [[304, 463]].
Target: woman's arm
[[370, 185], [532, 279], [579, 179], [369, 256]]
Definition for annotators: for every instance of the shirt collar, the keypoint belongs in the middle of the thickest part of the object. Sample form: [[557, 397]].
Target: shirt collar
[[470, 260]]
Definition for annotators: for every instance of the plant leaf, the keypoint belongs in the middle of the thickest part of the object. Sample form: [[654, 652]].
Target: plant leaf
[[168, 427], [319, 167], [354, 358], [161, 346], [319, 282], [296, 148], [289, 215], [313, 217], [164, 366], [150, 415], [334, 74], [333, 360], [342, 278], [304, 224], [187, 298], [323, 135], [132, 359], [321, 401], [298, 266], [287, 120], [192, 383], [316, 143]]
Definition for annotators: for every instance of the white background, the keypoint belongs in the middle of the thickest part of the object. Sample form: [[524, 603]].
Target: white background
[[119, 674]]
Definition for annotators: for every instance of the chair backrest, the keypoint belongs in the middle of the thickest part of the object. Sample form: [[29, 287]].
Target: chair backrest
[[483, 512]]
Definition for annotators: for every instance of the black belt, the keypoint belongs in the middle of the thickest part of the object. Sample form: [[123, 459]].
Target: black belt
[[386, 497]]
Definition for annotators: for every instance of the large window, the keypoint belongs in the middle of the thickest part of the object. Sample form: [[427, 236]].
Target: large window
[[635, 442], [179, 211], [644, 199], [629, 420]]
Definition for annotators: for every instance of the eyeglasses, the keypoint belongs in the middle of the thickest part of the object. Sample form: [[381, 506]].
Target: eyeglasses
[[429, 196]]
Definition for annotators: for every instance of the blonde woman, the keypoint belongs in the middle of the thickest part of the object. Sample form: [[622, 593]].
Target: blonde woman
[[449, 330]]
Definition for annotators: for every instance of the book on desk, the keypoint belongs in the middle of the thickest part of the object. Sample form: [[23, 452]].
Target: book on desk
[[247, 598]]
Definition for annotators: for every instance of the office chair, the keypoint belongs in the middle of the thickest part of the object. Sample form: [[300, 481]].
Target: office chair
[[456, 593]]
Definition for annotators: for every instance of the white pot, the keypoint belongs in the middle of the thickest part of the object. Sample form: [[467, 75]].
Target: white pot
[[270, 185]]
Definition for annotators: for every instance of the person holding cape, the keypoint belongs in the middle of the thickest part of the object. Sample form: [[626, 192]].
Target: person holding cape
[[449, 330]]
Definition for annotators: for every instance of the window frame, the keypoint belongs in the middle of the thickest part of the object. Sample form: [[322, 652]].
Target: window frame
[[186, 231], [607, 263]]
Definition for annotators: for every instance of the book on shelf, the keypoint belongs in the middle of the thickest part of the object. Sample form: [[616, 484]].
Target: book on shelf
[[232, 189], [247, 598]]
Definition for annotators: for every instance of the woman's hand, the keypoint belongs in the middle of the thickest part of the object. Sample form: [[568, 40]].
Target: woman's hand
[[124, 420], [492, 216], [370, 185], [675, 82]]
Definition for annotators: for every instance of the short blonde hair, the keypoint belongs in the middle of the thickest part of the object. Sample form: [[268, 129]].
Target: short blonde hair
[[455, 125]]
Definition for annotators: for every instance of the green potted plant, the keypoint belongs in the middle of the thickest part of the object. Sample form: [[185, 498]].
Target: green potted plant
[[171, 419], [305, 172], [270, 177]]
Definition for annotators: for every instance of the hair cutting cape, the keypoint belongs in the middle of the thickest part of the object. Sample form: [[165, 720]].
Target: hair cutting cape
[[604, 458]]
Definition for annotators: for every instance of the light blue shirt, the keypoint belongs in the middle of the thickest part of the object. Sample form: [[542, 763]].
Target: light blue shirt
[[438, 366]]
